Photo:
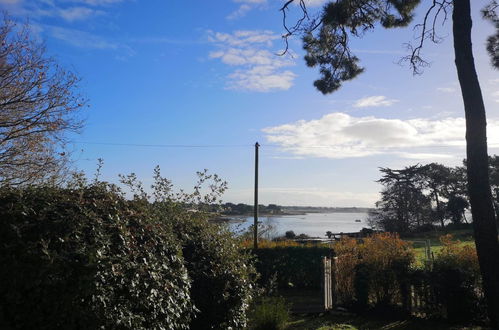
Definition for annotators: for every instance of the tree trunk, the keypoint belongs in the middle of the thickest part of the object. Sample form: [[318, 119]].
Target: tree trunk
[[482, 209], [439, 213]]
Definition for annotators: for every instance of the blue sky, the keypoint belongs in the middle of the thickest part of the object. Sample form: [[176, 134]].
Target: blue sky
[[205, 73]]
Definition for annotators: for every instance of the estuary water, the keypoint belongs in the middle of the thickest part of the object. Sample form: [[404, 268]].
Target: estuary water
[[312, 224]]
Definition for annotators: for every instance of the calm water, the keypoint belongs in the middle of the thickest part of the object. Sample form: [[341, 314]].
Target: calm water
[[312, 224]]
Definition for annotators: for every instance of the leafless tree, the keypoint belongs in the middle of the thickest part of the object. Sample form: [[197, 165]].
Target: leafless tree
[[39, 104]]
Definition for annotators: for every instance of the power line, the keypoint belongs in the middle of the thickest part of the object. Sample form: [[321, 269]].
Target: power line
[[251, 145], [165, 145]]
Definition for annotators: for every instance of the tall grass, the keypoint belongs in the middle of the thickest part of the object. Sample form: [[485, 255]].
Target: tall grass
[[270, 313]]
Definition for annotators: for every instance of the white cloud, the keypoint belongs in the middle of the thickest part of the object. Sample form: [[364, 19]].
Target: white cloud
[[240, 12], [339, 135], [256, 67], [243, 38], [245, 7], [261, 79], [77, 13], [68, 10], [374, 101], [495, 95]]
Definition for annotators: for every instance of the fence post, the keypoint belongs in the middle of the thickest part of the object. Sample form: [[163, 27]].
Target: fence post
[[411, 299], [324, 283], [334, 281], [327, 294]]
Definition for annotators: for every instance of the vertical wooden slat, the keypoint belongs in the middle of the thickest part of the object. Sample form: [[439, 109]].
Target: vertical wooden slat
[[327, 283], [334, 281]]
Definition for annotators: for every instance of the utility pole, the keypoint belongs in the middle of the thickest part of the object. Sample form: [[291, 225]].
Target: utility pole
[[255, 208]]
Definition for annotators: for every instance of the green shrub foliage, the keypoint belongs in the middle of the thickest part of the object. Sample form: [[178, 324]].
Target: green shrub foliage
[[293, 266], [270, 313], [87, 258], [222, 275], [456, 282]]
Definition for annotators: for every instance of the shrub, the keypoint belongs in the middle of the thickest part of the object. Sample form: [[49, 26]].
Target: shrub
[[87, 258], [456, 280], [222, 275], [270, 313], [388, 258], [293, 266], [372, 270]]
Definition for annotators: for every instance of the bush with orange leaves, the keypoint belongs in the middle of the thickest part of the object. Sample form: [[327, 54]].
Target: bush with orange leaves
[[372, 270], [455, 254], [456, 281]]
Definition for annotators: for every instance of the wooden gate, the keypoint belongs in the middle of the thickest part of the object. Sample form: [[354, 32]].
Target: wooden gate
[[328, 282]]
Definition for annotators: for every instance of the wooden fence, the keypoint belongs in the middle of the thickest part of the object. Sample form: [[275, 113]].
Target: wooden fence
[[414, 295], [327, 284]]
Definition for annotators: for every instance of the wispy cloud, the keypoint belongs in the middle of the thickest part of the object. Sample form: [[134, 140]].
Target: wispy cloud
[[245, 7], [68, 10], [256, 67], [339, 135], [374, 101], [77, 13], [82, 39], [239, 12], [248, 5]]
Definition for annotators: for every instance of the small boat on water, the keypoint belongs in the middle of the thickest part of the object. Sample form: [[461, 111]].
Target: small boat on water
[[357, 220]]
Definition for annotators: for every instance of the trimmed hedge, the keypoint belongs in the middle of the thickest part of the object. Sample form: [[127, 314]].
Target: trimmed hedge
[[86, 259], [293, 266], [222, 275]]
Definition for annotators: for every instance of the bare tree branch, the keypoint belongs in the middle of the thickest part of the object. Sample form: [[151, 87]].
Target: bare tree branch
[[39, 103]]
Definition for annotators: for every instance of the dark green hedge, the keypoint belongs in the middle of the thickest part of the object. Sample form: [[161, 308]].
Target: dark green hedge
[[88, 258], [222, 275], [298, 267]]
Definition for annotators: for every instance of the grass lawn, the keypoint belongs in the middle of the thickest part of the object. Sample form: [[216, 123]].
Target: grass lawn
[[463, 235], [344, 322]]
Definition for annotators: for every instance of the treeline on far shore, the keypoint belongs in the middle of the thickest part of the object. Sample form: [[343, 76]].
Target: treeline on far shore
[[274, 209]]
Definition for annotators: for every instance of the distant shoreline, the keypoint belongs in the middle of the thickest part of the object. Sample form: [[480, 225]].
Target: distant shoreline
[[235, 218], [300, 210]]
